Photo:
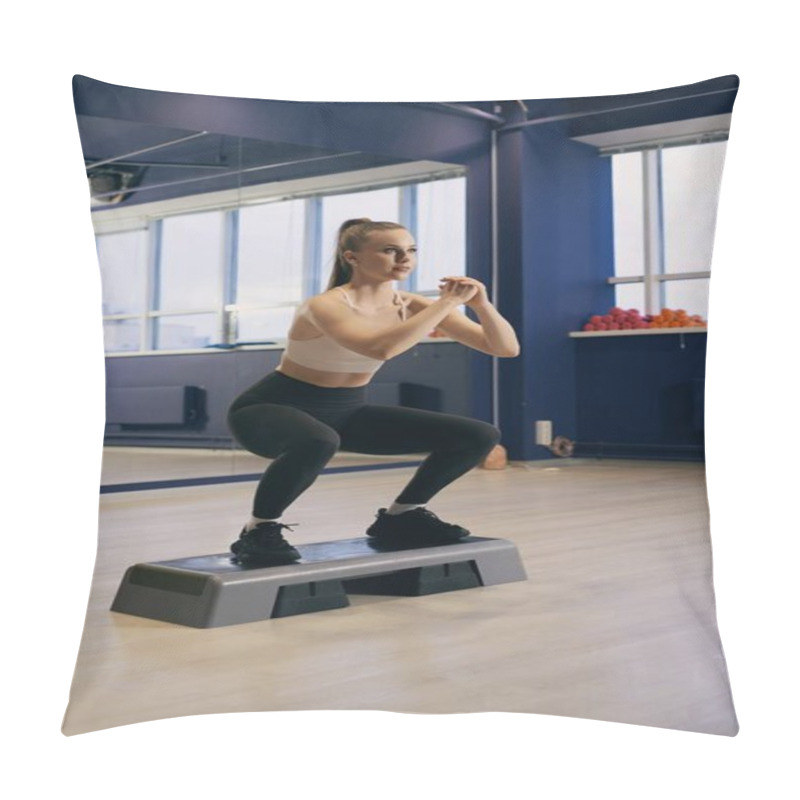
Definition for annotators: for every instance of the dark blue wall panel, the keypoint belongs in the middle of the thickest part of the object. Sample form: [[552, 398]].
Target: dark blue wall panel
[[554, 274], [442, 368], [640, 395], [511, 275], [479, 265]]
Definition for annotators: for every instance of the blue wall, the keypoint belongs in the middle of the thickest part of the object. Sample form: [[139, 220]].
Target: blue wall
[[554, 272]]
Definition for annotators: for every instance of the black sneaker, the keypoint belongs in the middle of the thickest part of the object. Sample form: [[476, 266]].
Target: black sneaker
[[264, 544], [418, 526]]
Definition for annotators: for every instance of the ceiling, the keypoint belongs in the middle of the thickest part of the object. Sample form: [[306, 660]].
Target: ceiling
[[130, 162]]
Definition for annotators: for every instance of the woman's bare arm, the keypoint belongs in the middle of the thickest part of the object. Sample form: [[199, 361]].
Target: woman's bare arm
[[348, 329], [492, 333]]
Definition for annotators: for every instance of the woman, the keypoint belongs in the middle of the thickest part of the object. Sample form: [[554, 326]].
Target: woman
[[313, 405]]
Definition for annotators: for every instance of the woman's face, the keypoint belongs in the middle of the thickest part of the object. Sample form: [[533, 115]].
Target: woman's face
[[385, 256]]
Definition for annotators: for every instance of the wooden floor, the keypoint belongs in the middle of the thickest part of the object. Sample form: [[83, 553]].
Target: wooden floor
[[616, 621]]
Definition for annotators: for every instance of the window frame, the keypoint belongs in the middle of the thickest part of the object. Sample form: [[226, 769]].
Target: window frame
[[655, 276]]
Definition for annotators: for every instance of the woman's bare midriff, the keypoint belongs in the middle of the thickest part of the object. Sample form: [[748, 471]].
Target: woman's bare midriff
[[330, 380]]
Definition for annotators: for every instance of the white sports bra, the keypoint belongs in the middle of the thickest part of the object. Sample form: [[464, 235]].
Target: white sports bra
[[326, 354]]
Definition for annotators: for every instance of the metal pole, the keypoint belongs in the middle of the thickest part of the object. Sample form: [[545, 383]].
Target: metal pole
[[495, 275]]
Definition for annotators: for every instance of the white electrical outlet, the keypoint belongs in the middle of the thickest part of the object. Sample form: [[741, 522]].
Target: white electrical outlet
[[544, 432]]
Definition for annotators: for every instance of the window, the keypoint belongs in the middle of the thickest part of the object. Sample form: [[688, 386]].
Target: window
[[270, 258], [235, 274], [188, 287], [441, 230], [124, 258], [665, 208]]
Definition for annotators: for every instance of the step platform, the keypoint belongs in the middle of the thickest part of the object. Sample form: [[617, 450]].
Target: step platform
[[213, 591]]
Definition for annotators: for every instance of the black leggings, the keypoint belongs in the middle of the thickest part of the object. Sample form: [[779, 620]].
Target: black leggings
[[301, 426]]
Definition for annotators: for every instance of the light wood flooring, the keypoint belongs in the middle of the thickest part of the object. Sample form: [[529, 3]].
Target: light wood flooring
[[616, 621]]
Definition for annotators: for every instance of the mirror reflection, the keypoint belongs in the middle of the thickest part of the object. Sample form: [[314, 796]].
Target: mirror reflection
[[207, 243]]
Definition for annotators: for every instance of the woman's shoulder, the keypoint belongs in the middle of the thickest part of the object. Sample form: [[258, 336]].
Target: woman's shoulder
[[335, 295], [331, 300]]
